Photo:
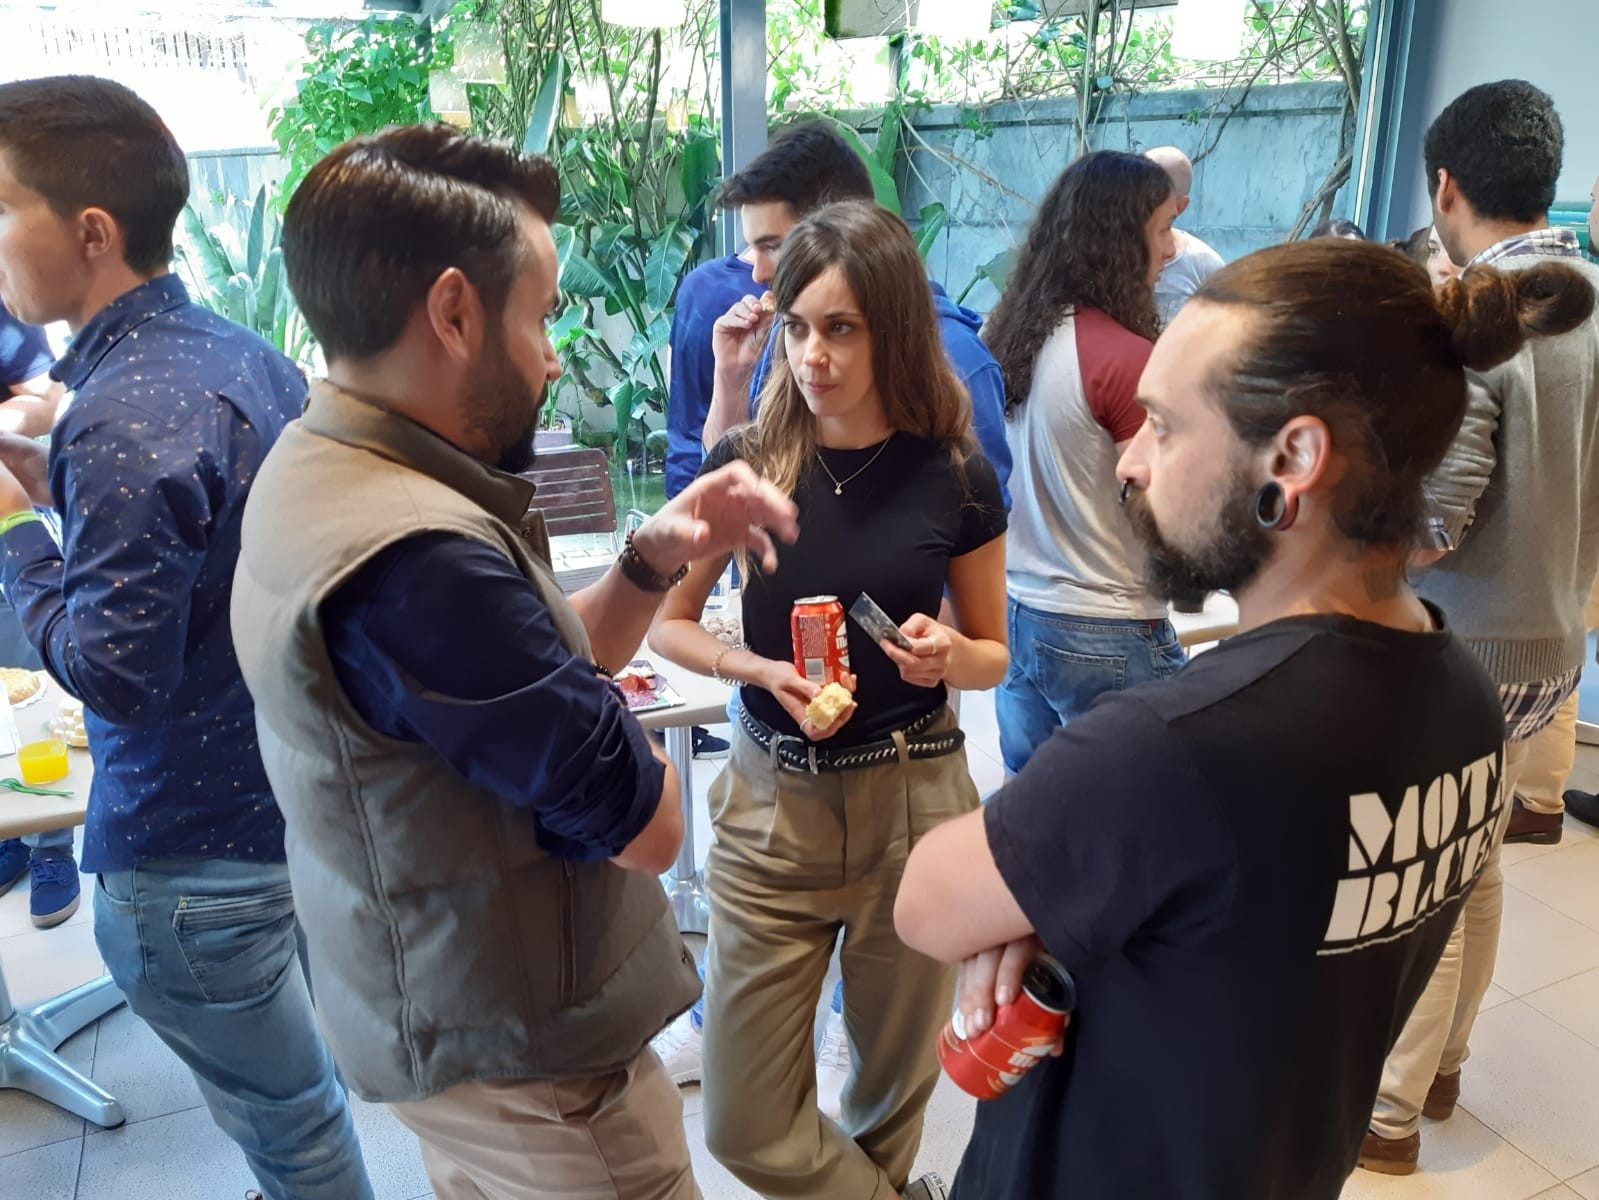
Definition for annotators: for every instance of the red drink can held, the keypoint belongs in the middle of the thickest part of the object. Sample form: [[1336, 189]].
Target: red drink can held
[[1024, 1032], [821, 646]]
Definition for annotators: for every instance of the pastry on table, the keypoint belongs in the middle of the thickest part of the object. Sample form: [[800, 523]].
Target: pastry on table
[[21, 684]]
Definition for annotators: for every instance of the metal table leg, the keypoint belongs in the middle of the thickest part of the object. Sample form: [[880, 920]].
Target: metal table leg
[[684, 885], [28, 1043]]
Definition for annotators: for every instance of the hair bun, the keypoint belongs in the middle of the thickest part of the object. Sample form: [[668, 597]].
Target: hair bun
[[1491, 314]]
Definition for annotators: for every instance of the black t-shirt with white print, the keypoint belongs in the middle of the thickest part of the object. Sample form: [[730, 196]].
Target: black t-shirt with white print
[[1251, 870], [891, 534]]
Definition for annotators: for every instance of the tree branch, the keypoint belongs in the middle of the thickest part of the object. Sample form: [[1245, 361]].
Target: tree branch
[[1323, 196]]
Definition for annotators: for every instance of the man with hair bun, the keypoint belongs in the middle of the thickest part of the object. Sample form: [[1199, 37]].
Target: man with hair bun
[[1251, 869], [1516, 529]]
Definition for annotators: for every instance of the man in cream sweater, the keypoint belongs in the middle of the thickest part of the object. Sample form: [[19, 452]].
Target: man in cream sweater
[[1518, 529]]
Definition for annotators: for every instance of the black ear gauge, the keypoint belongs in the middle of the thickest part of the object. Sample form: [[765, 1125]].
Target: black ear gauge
[[1274, 509], [1127, 487]]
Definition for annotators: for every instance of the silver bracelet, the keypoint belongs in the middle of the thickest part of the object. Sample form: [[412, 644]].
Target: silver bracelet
[[716, 663]]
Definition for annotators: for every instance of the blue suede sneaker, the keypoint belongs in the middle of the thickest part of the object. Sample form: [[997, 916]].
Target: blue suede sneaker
[[14, 858], [55, 889]]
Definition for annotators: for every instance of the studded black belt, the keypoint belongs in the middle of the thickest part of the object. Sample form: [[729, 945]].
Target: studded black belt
[[792, 753]]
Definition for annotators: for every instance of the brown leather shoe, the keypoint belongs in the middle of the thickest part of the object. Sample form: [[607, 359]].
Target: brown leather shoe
[[1442, 1097], [1542, 829], [1390, 1156]]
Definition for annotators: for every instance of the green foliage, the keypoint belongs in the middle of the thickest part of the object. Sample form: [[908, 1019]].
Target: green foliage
[[622, 260], [637, 187], [235, 268], [357, 79]]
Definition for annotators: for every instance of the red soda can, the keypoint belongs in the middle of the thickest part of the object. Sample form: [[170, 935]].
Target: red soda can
[[821, 646], [1024, 1032]]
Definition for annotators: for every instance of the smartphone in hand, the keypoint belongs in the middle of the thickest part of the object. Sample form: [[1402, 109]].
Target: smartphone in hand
[[877, 624]]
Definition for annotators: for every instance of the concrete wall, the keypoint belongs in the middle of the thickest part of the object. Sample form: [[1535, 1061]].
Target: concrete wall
[[215, 176], [1248, 192], [1550, 43]]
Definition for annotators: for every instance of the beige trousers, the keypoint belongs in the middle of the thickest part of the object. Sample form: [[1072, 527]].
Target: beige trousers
[[610, 1137], [798, 859], [1551, 753], [1434, 1040]]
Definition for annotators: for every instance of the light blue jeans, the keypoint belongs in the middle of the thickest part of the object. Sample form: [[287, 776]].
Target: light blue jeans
[[209, 953], [1059, 665]]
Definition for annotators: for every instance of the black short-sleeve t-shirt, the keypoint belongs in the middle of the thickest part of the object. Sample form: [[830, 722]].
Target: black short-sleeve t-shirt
[[1251, 871], [891, 534]]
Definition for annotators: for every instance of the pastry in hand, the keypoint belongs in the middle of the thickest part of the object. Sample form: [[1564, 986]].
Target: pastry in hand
[[768, 303], [829, 703]]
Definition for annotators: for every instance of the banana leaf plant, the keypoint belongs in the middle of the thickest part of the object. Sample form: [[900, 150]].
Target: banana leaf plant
[[235, 268], [880, 160], [628, 267]]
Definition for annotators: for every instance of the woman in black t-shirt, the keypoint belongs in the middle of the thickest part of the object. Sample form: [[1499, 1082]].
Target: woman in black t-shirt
[[864, 423]]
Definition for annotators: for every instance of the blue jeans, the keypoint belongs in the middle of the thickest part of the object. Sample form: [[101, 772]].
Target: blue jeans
[[209, 954], [1059, 665]]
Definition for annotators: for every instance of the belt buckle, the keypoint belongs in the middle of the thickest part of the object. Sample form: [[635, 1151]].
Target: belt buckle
[[778, 739]]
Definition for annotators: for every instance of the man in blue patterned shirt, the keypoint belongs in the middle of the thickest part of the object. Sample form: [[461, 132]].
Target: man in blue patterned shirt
[[173, 411]]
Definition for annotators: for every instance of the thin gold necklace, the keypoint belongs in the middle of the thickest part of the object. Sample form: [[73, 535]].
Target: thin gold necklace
[[838, 484]]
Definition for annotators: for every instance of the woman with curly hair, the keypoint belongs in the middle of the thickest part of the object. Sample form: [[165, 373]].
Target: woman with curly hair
[[1072, 333]]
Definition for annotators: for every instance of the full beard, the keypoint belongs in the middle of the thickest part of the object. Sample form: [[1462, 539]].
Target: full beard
[[502, 409], [1234, 551]]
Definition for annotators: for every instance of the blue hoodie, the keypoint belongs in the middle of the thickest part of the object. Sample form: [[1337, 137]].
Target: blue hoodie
[[974, 366], [704, 295]]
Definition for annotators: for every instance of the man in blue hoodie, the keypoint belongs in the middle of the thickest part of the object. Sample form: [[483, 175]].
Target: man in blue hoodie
[[707, 292], [806, 167]]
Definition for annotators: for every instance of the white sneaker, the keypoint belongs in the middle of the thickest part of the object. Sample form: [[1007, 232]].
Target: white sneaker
[[832, 1067], [681, 1048], [929, 1187]]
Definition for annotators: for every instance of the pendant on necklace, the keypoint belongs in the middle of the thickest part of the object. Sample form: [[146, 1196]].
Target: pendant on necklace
[[838, 489]]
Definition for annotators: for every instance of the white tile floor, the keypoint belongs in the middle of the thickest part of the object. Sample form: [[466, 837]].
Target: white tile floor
[[1528, 1128]]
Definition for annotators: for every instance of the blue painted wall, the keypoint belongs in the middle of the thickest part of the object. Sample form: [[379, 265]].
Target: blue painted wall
[[1550, 43], [1270, 159]]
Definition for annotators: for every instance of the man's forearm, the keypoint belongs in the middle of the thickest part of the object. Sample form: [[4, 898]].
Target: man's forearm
[[616, 611], [32, 407], [28, 416], [730, 408], [1461, 479], [617, 614]]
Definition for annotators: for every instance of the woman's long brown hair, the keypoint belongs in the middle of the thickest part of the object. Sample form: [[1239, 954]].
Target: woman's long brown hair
[[1086, 247], [920, 392]]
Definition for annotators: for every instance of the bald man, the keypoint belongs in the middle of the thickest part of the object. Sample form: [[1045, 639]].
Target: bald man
[[1195, 262]]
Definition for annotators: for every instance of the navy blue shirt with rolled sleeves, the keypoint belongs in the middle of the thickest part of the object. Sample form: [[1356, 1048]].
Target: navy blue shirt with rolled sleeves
[[440, 639], [172, 411]]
